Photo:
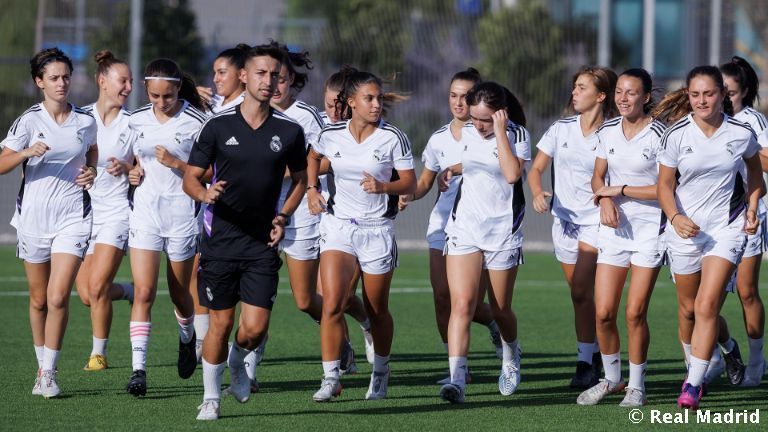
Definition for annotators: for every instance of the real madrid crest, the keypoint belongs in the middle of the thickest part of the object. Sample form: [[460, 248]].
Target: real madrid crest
[[178, 137], [80, 137], [275, 144], [377, 155]]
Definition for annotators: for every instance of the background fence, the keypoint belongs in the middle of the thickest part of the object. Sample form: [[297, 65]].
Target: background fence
[[531, 46]]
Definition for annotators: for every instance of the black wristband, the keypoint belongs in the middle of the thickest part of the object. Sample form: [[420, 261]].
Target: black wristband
[[673, 218], [622, 190], [314, 187]]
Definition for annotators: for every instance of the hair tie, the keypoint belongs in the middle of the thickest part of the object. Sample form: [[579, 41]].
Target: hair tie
[[162, 78]]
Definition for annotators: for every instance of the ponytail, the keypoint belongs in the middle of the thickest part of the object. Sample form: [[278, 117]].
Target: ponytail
[[673, 107]]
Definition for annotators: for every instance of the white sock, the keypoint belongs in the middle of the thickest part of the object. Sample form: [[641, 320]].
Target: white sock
[[365, 324], [39, 355], [380, 363], [250, 364], [727, 347], [186, 327], [458, 367], [612, 367], [716, 356], [585, 350], [99, 346], [509, 350], [127, 291], [50, 358], [686, 352], [212, 374], [697, 370], [755, 352], [636, 375], [331, 369], [237, 355], [139, 341], [201, 325]]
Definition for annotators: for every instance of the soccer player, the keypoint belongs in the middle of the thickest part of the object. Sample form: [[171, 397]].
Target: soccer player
[[250, 146], [571, 143], [484, 231], [109, 199], [54, 142], [444, 149], [371, 164], [163, 218], [630, 234], [702, 194]]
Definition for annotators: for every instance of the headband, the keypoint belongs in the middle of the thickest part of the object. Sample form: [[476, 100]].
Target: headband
[[162, 78]]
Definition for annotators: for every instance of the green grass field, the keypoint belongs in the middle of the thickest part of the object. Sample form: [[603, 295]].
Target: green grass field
[[291, 371]]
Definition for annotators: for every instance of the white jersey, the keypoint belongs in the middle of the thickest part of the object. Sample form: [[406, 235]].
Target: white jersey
[[309, 119], [759, 124], [634, 163], [217, 103], [380, 155], [441, 152], [709, 189], [160, 206], [49, 201], [109, 194], [573, 162], [487, 208]]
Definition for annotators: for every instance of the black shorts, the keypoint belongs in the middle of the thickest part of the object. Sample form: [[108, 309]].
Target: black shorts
[[222, 283]]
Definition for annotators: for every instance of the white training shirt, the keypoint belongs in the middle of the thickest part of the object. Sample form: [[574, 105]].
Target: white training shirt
[[487, 208], [634, 163], [573, 163], [708, 191], [380, 155], [49, 201], [441, 152], [309, 119], [759, 124], [217, 101], [160, 206], [109, 194]]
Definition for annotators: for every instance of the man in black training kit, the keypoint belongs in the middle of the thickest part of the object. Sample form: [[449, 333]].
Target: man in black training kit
[[249, 148]]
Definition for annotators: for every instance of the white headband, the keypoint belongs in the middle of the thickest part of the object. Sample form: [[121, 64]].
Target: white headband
[[162, 78]]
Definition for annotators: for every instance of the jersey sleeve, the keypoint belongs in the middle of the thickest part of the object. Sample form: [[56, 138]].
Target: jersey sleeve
[[297, 154], [322, 141], [762, 138], [91, 133], [203, 150], [520, 141], [402, 159], [752, 146], [600, 152], [669, 153], [548, 142], [312, 132], [429, 157], [18, 136]]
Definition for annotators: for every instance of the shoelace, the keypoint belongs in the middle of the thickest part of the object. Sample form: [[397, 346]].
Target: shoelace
[[206, 404]]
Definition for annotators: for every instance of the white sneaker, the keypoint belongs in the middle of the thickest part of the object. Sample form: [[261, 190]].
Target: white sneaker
[[240, 387], [209, 410], [597, 392], [714, 370], [753, 375], [369, 352], [36, 389], [633, 398], [329, 389], [48, 386], [452, 393], [509, 378], [377, 389]]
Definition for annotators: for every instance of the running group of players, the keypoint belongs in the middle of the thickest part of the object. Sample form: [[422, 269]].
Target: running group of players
[[634, 183]]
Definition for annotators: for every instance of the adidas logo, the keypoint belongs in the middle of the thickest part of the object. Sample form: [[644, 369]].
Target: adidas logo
[[687, 150], [610, 151], [232, 142], [141, 135], [565, 145], [41, 136], [337, 155]]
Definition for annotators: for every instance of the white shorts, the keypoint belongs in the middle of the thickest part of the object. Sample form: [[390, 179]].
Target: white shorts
[[38, 250], [566, 237], [177, 248], [371, 241], [623, 258], [757, 242], [437, 240], [302, 250], [492, 260], [687, 258], [110, 233]]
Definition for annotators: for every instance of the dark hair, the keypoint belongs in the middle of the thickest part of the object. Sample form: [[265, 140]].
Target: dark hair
[[496, 97], [39, 61], [352, 79], [335, 81], [168, 68], [604, 80], [295, 61], [235, 56], [469, 74], [104, 61], [266, 50], [743, 73], [676, 105], [645, 79]]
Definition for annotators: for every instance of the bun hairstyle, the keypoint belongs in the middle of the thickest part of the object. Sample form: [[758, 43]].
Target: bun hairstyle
[[469, 74], [167, 68], [294, 62], [743, 73], [676, 104], [104, 61], [39, 61], [645, 79], [236, 56], [497, 97]]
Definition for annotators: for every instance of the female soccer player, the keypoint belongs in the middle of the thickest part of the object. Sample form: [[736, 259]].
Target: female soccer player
[[630, 234], [55, 144], [109, 199], [372, 164], [484, 231], [163, 217], [702, 194], [444, 150], [571, 143]]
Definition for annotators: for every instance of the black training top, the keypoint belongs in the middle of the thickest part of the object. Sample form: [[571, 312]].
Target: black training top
[[253, 163]]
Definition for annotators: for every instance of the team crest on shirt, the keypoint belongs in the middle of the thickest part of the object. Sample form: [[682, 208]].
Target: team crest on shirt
[[177, 137], [496, 153], [122, 138], [377, 155], [646, 153], [79, 137], [209, 293], [275, 144], [729, 148]]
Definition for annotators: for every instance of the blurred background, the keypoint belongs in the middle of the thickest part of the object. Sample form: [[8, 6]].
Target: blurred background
[[531, 46]]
